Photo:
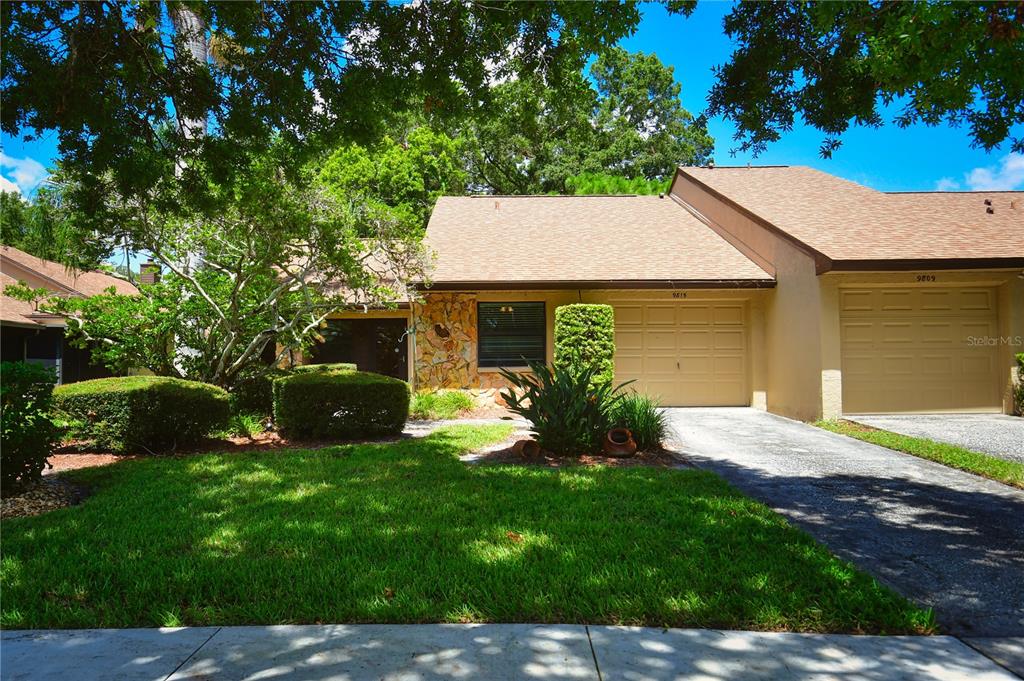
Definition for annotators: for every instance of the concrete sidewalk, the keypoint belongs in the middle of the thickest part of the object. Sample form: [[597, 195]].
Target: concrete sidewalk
[[422, 652]]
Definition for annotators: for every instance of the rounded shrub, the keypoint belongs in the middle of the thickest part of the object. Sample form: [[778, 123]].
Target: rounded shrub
[[144, 413], [340, 404], [585, 338], [254, 393], [26, 396]]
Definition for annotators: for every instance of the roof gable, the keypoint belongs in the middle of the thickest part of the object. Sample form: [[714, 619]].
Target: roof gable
[[845, 221]]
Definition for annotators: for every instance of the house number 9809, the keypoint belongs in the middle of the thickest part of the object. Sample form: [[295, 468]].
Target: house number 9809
[[926, 277]]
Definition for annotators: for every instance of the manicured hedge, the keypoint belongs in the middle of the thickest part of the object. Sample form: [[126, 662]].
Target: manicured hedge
[[254, 394], [28, 434], [585, 335], [144, 413], [341, 404], [313, 368]]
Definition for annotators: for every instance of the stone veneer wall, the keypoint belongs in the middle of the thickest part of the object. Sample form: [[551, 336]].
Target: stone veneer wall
[[446, 339]]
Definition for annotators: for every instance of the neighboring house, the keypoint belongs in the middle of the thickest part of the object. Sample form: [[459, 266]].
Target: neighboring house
[[32, 336], [784, 288]]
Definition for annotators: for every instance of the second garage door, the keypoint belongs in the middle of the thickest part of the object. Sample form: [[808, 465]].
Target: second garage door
[[685, 353], [919, 350]]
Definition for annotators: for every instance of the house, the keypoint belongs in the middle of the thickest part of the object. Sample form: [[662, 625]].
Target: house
[[783, 288], [29, 335]]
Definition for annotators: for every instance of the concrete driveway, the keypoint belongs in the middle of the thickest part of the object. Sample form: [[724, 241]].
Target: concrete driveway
[[996, 434], [946, 539]]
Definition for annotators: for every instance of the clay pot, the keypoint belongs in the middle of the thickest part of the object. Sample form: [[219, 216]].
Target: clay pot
[[528, 449], [619, 442]]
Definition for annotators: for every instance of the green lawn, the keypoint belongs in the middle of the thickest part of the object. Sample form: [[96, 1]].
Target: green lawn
[[404, 532], [1008, 472]]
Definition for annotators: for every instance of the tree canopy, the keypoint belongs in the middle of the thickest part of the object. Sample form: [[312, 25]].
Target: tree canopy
[[45, 228], [627, 120], [841, 63], [131, 86]]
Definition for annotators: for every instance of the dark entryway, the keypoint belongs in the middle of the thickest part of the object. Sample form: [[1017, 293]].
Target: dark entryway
[[48, 347], [377, 345]]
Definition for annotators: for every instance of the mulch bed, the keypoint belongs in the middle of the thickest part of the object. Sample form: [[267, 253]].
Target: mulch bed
[[48, 494], [662, 458]]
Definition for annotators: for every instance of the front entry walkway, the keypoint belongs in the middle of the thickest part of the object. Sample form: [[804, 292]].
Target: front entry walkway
[[945, 538], [498, 652]]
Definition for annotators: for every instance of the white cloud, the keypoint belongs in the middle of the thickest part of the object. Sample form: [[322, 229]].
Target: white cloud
[[8, 186], [1007, 175], [947, 184], [25, 173]]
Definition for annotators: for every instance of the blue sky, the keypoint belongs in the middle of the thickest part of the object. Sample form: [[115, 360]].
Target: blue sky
[[889, 158]]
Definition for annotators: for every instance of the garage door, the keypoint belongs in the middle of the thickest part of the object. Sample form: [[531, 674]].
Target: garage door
[[685, 353], [909, 350]]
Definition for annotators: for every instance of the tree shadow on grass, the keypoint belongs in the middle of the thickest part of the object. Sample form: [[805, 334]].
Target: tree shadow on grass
[[404, 532]]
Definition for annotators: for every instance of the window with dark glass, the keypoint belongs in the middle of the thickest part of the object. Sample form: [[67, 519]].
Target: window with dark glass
[[510, 334]]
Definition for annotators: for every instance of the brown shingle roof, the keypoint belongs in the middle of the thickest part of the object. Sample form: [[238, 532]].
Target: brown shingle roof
[[17, 265], [847, 221], [564, 239]]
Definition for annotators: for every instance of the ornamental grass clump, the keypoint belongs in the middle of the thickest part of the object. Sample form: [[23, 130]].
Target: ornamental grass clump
[[642, 416]]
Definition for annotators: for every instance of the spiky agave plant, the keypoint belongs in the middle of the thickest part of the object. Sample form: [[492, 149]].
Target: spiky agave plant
[[568, 412]]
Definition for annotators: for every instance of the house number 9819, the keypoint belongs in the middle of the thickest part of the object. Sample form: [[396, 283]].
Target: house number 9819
[[678, 294]]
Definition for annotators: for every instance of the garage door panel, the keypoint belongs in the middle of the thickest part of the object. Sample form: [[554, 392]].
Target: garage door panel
[[725, 366], [899, 300], [660, 315], [685, 353], [908, 350], [938, 333], [659, 365], [898, 365], [699, 315], [943, 301], [628, 340], [692, 339], [858, 333], [978, 300], [728, 315], [897, 333], [660, 340], [730, 339], [937, 365], [629, 315], [691, 366], [630, 367]]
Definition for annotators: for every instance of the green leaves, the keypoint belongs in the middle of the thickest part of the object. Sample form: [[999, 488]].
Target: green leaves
[[534, 138], [568, 410], [397, 180], [837, 64], [26, 394], [128, 86]]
